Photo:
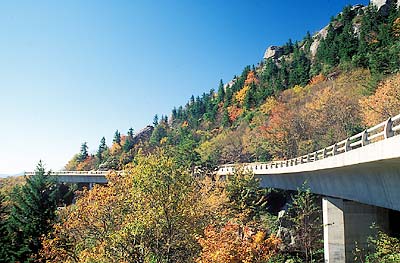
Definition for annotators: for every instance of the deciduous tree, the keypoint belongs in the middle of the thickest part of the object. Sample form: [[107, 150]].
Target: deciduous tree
[[384, 103], [237, 243], [304, 215]]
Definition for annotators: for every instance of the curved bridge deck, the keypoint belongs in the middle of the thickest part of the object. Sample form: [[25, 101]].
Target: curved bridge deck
[[363, 168]]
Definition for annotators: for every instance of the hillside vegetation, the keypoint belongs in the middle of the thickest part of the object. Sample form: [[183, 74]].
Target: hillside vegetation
[[317, 91], [169, 206]]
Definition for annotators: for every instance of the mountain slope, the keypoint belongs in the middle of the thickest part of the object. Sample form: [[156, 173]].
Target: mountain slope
[[303, 96]]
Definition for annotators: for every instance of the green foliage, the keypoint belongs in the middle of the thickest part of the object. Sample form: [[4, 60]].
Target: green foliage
[[381, 248], [184, 150], [221, 92], [247, 198], [102, 149], [282, 108], [153, 212], [32, 213], [83, 155], [117, 137], [5, 244], [159, 132], [129, 143], [155, 120], [357, 37], [285, 258], [299, 69], [304, 215]]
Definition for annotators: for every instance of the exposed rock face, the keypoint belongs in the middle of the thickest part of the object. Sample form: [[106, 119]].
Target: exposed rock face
[[229, 84], [317, 39], [273, 52], [383, 5], [379, 3], [143, 135], [324, 31]]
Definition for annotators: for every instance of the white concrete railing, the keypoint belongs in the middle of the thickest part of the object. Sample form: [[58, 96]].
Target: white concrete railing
[[382, 131], [74, 173]]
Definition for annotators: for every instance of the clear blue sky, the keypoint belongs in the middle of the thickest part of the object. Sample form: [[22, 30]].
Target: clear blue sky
[[74, 71]]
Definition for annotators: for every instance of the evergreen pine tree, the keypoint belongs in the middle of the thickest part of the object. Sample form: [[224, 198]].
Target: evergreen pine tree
[[164, 120], [225, 118], [128, 145], [368, 30], [5, 248], [84, 152], [308, 41], [130, 132], [32, 213], [228, 97], [159, 132], [155, 120], [117, 137], [174, 114], [250, 100], [288, 47], [221, 92], [102, 149]]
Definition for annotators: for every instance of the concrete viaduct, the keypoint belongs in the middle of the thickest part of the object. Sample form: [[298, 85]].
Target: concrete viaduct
[[359, 179]]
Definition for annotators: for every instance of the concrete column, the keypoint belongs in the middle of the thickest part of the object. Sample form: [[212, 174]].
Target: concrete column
[[347, 222], [333, 222], [358, 220]]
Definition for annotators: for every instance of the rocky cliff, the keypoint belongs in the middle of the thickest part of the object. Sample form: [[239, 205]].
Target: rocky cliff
[[276, 52]]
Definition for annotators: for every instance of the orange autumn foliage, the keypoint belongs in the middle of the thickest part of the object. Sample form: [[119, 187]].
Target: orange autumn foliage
[[317, 79], [306, 119], [280, 132], [251, 78], [87, 164], [235, 243], [384, 103], [185, 124], [234, 112]]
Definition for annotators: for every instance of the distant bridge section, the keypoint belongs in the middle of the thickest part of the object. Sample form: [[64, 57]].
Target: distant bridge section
[[75, 177]]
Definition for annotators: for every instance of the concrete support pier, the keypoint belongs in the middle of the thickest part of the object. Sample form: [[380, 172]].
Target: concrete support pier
[[347, 222]]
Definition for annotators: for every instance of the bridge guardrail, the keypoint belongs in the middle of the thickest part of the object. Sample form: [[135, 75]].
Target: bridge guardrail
[[74, 173], [381, 131]]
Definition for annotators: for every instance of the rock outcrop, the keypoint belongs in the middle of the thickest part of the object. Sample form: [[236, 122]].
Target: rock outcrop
[[317, 39], [273, 52], [383, 5], [143, 135]]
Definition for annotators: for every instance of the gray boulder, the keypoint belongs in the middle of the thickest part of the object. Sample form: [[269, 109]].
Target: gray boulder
[[383, 5], [273, 52]]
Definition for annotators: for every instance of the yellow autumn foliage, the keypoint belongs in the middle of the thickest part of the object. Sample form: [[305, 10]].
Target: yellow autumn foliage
[[240, 96], [396, 27], [268, 105], [152, 210]]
